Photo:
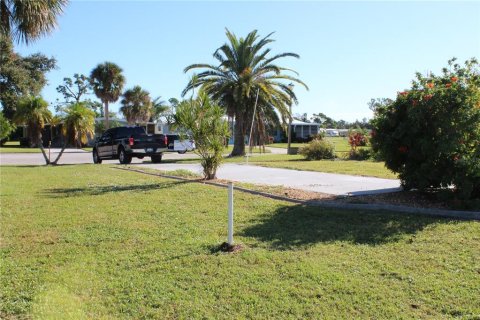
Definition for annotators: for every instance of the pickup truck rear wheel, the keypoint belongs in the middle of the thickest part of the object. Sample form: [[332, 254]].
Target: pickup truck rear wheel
[[123, 157], [156, 159], [96, 158]]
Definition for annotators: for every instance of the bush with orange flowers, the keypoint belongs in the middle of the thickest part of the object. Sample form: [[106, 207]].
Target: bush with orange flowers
[[431, 136]]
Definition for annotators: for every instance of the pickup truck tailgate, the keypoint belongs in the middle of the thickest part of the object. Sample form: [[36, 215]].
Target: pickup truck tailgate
[[148, 141]]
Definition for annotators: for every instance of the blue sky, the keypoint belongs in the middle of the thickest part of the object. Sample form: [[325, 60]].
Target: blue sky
[[350, 51]]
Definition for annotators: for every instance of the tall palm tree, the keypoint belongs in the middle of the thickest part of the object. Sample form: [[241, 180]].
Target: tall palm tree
[[136, 105], [28, 20], [107, 83], [33, 112], [245, 66]]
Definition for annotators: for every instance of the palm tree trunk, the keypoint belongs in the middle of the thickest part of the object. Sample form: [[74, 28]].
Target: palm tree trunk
[[60, 154], [239, 136], [40, 145], [107, 124]]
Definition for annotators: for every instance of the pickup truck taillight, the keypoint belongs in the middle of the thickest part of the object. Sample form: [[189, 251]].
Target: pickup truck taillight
[[165, 139], [131, 141]]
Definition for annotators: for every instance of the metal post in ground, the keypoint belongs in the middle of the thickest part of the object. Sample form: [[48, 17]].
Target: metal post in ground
[[230, 214]]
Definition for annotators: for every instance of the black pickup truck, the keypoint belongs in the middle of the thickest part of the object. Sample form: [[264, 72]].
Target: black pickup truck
[[123, 143]]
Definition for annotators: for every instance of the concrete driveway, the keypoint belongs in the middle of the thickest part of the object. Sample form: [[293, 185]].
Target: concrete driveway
[[338, 184]]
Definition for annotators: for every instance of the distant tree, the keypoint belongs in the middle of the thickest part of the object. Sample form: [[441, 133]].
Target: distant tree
[[244, 68], [20, 76], [323, 120], [136, 105], [169, 114], [164, 111], [107, 82], [341, 124], [73, 90], [377, 103], [5, 128], [364, 124], [204, 121], [33, 112], [174, 102], [301, 116], [26, 21], [100, 126], [78, 124], [97, 107], [159, 109]]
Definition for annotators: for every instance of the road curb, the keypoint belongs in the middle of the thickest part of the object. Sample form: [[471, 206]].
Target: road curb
[[456, 214]]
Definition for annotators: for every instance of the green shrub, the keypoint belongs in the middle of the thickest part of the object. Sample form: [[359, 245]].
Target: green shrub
[[430, 134], [317, 150], [360, 154], [318, 136], [5, 128]]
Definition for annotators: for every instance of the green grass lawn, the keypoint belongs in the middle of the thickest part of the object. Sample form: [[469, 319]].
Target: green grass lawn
[[93, 242], [254, 150], [342, 148], [14, 147], [298, 162], [340, 143]]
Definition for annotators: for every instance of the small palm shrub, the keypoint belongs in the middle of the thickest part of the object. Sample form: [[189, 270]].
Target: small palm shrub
[[203, 120], [317, 150]]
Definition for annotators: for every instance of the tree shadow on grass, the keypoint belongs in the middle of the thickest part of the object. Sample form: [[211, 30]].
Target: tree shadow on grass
[[302, 226], [99, 190]]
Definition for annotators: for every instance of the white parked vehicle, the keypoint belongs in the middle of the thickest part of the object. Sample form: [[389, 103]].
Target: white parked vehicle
[[180, 146], [332, 132]]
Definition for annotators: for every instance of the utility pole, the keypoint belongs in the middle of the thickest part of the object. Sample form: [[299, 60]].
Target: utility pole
[[251, 128]]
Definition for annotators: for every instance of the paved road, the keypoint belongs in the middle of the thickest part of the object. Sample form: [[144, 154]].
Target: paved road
[[72, 156], [78, 156], [277, 150], [338, 184]]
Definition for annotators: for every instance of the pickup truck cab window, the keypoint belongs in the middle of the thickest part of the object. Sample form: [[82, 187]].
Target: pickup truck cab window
[[127, 132]]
